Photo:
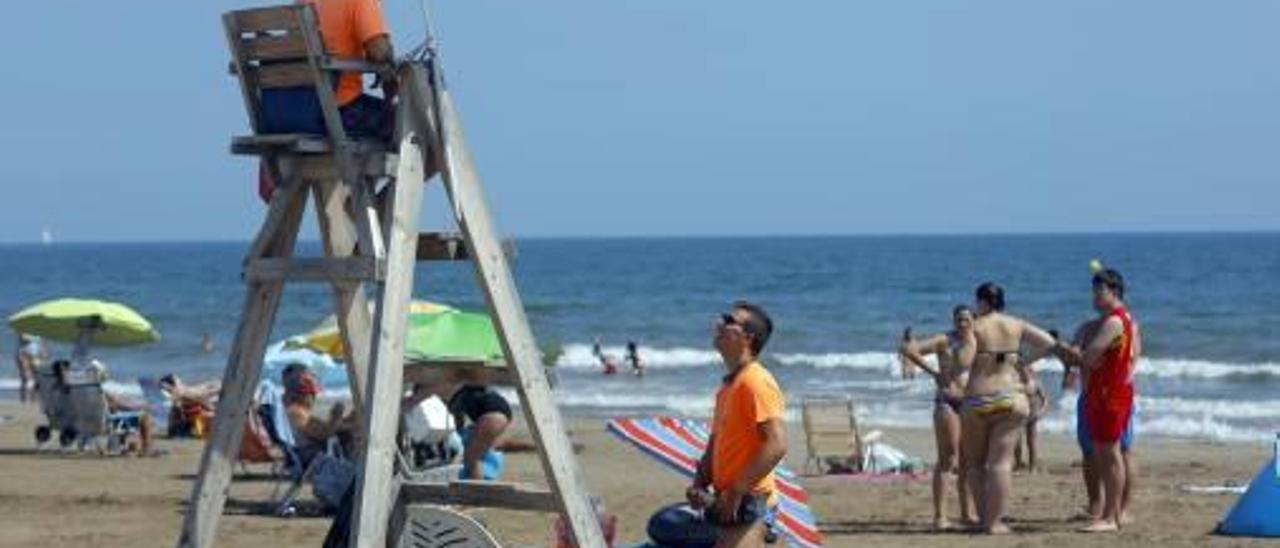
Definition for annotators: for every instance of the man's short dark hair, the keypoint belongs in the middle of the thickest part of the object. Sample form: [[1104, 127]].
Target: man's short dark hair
[[1111, 279], [759, 326], [992, 294]]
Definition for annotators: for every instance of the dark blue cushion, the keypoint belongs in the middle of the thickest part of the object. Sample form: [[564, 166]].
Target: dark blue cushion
[[292, 110]]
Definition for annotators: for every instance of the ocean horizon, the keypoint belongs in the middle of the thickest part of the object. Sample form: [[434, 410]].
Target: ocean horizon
[[311, 239]]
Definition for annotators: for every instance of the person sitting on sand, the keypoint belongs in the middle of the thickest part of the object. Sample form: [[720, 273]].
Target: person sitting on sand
[[192, 407], [1108, 361], [748, 434], [118, 403], [633, 357], [995, 404], [312, 433], [488, 415], [955, 352]]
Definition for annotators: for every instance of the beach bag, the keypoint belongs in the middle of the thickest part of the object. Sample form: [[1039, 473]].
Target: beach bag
[[680, 526], [255, 445], [330, 479], [429, 422], [882, 458]]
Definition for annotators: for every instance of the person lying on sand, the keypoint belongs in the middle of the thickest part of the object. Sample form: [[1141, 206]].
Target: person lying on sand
[[192, 406]]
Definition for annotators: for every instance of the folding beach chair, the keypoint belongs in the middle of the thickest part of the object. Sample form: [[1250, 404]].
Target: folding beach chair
[[298, 469], [831, 436], [157, 403]]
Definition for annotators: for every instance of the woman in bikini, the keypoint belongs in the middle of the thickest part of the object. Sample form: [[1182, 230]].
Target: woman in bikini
[[995, 404], [955, 351]]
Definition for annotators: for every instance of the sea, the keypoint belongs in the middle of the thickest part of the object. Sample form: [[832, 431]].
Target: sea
[[1208, 304]]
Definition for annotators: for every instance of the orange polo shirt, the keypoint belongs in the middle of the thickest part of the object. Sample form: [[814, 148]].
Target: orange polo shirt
[[345, 26], [743, 402]]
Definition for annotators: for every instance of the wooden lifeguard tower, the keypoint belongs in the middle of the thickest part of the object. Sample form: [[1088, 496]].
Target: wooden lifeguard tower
[[370, 247]]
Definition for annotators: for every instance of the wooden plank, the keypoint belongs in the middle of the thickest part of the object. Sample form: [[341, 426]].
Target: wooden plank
[[374, 483], [451, 246], [244, 366], [314, 270], [284, 75], [436, 246], [351, 305], [487, 494], [293, 143], [458, 372], [322, 167], [353, 65], [370, 236], [324, 92], [267, 19], [274, 47], [278, 211], [462, 184], [247, 81]]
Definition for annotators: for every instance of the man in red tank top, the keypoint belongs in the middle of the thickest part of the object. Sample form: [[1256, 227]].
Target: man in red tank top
[[1109, 361]]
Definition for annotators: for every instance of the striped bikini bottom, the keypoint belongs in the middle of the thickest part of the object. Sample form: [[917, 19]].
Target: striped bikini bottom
[[993, 404]]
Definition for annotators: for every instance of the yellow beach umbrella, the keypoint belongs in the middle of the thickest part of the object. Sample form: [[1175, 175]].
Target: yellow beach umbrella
[[104, 323], [325, 337]]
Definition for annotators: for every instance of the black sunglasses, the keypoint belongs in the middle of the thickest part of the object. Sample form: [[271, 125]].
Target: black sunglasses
[[727, 319]]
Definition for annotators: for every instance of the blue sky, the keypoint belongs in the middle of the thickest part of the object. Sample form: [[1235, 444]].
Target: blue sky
[[670, 117]]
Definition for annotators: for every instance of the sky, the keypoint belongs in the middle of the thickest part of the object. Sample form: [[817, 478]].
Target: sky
[[669, 117]]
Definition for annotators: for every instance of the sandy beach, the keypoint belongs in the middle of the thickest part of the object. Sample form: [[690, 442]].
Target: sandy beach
[[52, 500]]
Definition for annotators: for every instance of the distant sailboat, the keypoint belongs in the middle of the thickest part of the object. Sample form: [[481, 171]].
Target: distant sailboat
[[46, 236]]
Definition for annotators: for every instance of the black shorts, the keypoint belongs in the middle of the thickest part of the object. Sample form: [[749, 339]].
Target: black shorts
[[473, 402]]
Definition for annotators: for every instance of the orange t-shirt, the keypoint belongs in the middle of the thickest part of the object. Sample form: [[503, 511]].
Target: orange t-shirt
[[751, 397], [345, 26]]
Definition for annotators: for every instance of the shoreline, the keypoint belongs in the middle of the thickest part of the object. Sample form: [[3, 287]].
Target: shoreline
[[129, 501]]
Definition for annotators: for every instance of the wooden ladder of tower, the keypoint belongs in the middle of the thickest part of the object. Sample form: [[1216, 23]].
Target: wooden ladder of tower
[[279, 48]]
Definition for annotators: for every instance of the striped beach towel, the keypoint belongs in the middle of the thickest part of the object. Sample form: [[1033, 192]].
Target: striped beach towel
[[679, 443]]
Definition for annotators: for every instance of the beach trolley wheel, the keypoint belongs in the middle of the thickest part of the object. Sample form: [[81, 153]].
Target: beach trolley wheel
[[429, 526], [67, 436], [43, 433]]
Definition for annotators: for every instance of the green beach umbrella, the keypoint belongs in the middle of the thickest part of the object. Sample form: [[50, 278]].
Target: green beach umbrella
[[109, 324], [445, 336]]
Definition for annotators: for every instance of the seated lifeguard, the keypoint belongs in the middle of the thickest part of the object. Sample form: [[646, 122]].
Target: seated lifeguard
[[352, 30]]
